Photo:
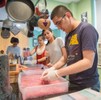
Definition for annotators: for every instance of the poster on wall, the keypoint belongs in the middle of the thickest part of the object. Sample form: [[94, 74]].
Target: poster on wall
[[84, 17]]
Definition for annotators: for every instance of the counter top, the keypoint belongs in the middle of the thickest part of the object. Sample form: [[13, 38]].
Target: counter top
[[86, 94]]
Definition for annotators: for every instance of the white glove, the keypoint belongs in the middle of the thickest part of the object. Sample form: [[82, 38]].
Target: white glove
[[46, 71], [50, 75], [52, 68]]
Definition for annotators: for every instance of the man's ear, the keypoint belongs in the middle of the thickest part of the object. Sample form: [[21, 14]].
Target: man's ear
[[68, 14]]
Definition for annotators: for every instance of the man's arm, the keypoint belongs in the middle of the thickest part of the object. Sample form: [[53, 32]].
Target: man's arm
[[81, 65]]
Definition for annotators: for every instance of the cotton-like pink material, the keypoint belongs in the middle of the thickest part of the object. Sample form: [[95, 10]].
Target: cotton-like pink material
[[31, 86]]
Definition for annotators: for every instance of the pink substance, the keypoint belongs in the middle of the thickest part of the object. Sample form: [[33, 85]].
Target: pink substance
[[44, 82], [33, 80], [32, 87]]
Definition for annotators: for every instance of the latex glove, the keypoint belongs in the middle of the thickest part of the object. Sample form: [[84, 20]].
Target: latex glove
[[46, 71], [50, 75]]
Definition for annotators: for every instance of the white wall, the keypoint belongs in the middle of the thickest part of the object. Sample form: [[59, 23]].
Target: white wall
[[98, 24], [98, 17]]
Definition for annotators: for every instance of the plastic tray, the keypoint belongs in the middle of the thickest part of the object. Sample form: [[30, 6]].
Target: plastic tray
[[30, 85]]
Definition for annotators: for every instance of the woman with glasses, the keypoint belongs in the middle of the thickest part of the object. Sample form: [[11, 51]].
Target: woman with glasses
[[55, 47], [81, 46]]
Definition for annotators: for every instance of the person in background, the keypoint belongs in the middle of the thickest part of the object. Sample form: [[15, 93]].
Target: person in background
[[81, 46], [14, 50], [40, 51], [55, 47]]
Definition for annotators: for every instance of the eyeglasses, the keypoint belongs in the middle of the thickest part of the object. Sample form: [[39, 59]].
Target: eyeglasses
[[59, 22]]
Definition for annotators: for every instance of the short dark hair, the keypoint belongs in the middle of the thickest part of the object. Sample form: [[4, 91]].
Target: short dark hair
[[14, 40], [59, 11]]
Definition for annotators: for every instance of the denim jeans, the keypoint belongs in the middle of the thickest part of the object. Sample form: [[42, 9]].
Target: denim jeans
[[96, 87]]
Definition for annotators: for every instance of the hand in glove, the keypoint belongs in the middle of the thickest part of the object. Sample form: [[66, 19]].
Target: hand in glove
[[46, 71], [50, 75]]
